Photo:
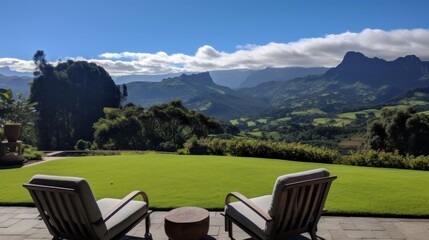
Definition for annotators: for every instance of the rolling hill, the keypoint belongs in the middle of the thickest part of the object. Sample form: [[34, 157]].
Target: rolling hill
[[279, 74], [197, 91], [18, 84], [356, 82]]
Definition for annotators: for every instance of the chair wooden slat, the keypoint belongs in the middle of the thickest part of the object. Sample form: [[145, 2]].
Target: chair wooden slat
[[66, 215], [43, 196], [56, 210], [78, 227], [308, 190], [298, 210], [65, 199]]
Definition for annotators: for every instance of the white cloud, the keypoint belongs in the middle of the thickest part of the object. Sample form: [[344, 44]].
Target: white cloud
[[325, 51], [17, 65]]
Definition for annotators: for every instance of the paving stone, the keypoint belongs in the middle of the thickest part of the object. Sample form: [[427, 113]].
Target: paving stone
[[40, 234], [213, 230], [7, 209], [6, 216], [20, 227], [25, 210], [359, 234], [324, 234], [337, 234], [217, 220], [367, 223], [12, 237], [27, 215], [24, 224], [9, 222]]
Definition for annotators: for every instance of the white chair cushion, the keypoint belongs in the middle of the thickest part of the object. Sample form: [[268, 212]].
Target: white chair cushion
[[247, 217], [125, 217]]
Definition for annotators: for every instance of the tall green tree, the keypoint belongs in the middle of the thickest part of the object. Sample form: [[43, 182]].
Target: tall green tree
[[71, 97], [404, 131], [161, 127]]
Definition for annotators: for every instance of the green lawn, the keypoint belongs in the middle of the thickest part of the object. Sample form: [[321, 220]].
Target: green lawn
[[177, 180]]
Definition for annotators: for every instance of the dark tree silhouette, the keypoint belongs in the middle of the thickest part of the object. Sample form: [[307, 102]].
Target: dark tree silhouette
[[70, 97], [404, 131]]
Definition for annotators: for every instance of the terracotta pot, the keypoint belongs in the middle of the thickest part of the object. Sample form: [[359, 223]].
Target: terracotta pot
[[12, 131]]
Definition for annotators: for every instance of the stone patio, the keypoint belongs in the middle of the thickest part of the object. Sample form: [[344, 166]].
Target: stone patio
[[24, 223]]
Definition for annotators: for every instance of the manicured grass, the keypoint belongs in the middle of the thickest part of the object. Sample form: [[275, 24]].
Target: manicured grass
[[179, 180]]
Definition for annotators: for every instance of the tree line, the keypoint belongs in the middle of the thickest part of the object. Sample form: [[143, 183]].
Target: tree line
[[77, 100], [162, 127]]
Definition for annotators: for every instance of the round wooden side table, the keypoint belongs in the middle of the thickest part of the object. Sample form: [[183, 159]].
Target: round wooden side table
[[187, 223]]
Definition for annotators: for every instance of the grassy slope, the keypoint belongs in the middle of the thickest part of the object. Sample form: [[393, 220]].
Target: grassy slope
[[174, 180]]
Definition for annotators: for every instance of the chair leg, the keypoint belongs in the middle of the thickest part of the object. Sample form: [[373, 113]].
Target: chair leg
[[230, 229], [147, 234], [313, 235]]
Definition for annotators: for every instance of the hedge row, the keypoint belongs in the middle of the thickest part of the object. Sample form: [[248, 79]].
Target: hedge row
[[372, 158], [263, 149], [303, 152]]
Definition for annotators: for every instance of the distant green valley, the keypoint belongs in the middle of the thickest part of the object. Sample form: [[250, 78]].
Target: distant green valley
[[319, 106]]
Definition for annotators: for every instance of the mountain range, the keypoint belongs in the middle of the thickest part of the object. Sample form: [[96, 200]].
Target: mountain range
[[279, 74], [19, 84], [235, 78], [357, 82], [197, 91]]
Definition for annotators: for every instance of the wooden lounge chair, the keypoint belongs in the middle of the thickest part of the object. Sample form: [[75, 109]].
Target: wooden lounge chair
[[70, 211], [294, 207]]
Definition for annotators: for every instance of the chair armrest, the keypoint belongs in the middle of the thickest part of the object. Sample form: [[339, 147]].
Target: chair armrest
[[124, 202], [249, 204]]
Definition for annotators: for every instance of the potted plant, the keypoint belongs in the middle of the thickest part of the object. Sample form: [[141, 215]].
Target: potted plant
[[12, 131]]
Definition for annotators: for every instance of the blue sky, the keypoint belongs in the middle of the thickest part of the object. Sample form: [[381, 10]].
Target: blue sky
[[179, 30]]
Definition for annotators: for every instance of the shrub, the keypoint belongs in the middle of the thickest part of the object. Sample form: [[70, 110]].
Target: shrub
[[420, 163], [194, 147], [82, 145], [31, 153], [168, 146], [305, 153], [269, 149], [373, 158], [217, 147]]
